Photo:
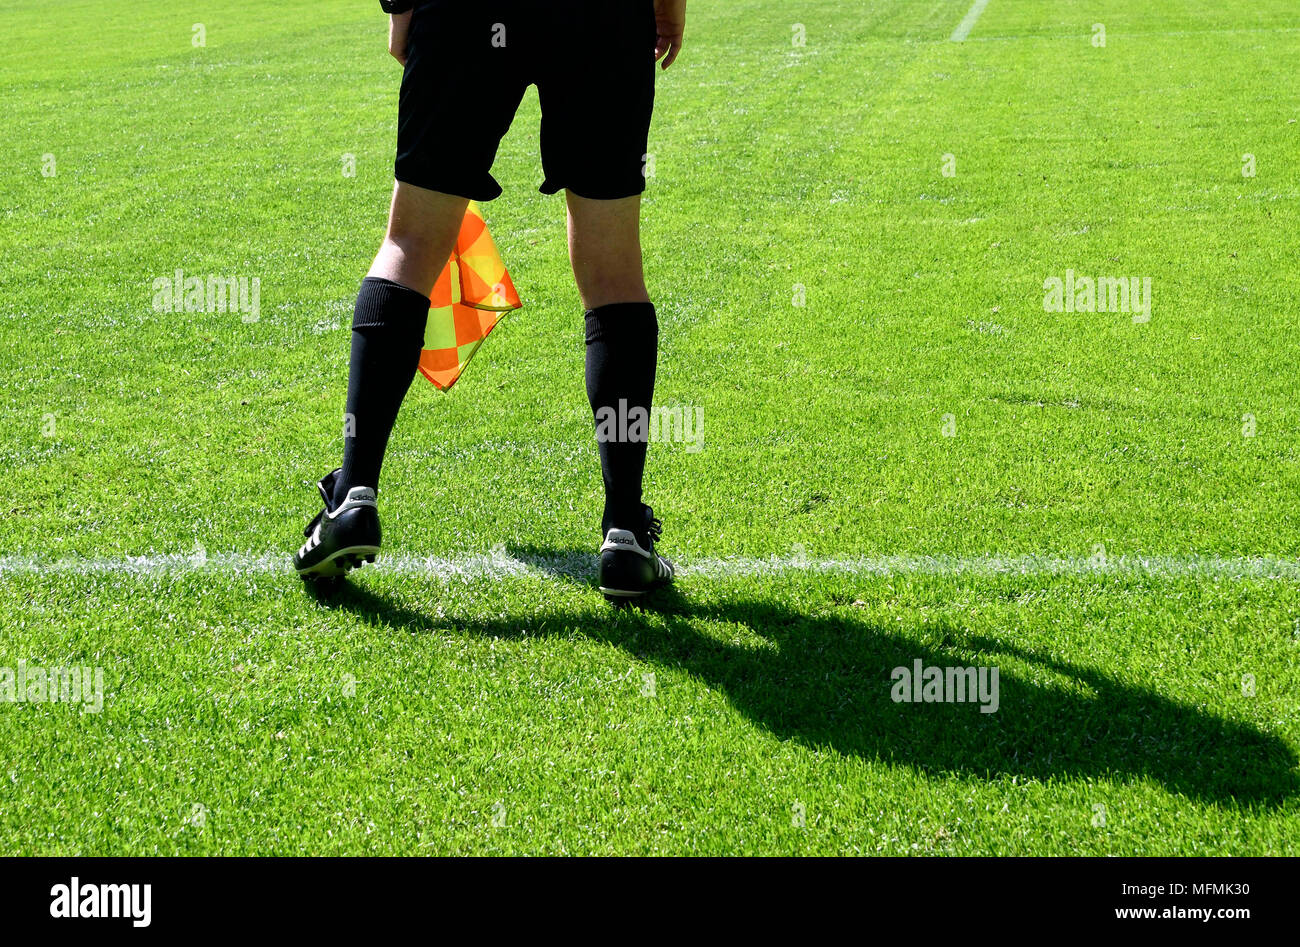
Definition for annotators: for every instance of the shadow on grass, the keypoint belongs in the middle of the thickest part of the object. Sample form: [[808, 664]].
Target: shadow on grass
[[825, 682]]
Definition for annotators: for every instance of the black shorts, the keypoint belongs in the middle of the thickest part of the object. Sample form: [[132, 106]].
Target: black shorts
[[469, 62]]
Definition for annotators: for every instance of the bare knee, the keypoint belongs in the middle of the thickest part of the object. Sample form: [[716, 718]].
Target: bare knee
[[422, 230], [602, 287], [416, 248], [605, 250]]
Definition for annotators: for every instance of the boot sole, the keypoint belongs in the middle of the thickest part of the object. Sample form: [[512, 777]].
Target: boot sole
[[622, 593], [340, 562]]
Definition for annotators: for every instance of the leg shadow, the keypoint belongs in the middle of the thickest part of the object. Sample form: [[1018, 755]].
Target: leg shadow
[[826, 682]]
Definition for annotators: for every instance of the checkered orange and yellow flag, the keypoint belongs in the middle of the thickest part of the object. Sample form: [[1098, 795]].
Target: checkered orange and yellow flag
[[471, 296]]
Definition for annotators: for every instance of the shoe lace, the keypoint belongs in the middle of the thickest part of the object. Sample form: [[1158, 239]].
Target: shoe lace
[[654, 528]]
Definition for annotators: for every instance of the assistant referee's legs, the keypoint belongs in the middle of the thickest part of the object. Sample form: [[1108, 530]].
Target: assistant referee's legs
[[622, 336], [388, 325]]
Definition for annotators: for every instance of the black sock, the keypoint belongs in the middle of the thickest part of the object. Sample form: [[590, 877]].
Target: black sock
[[622, 345], [387, 335]]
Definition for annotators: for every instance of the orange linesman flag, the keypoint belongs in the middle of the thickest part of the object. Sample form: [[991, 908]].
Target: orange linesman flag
[[471, 296]]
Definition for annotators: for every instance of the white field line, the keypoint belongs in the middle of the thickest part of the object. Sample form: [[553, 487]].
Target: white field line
[[972, 17], [1225, 31], [501, 563]]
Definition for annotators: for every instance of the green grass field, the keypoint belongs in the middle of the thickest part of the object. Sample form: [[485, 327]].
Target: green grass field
[[920, 462]]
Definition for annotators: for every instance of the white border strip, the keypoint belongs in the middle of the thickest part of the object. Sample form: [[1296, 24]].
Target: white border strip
[[972, 17], [502, 563]]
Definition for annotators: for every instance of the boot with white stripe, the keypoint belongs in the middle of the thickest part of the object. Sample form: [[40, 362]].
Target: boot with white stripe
[[342, 538], [629, 564]]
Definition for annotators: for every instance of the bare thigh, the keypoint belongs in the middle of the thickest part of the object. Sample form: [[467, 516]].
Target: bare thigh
[[605, 250], [422, 230]]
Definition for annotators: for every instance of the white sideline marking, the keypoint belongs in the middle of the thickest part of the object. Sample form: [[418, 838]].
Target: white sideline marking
[[1128, 33], [965, 26], [502, 563]]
